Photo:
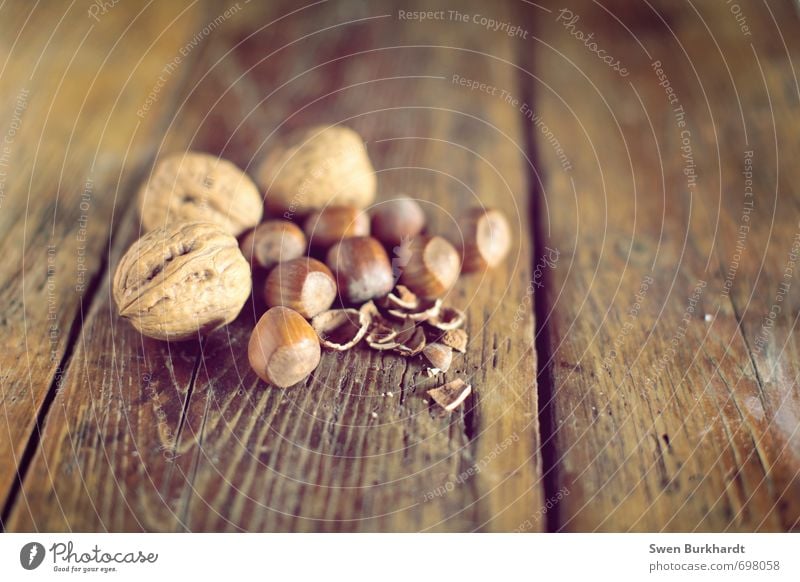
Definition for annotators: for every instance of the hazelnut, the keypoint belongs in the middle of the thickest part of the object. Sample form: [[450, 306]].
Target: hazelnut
[[486, 239], [316, 167], [303, 284], [283, 348], [272, 242], [362, 269], [182, 280], [432, 266], [324, 228], [397, 220], [194, 186]]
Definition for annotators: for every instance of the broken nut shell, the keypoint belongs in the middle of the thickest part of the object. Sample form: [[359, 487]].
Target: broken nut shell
[[447, 318], [341, 329], [439, 355], [451, 395]]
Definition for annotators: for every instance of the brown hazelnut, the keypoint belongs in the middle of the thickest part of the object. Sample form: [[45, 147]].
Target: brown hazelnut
[[397, 220], [272, 242], [324, 228], [362, 269], [303, 284], [486, 239], [283, 348], [432, 266]]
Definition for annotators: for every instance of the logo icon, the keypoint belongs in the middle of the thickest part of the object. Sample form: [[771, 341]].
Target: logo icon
[[31, 555]]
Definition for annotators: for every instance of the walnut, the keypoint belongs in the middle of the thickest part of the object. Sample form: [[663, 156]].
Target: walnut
[[195, 186], [182, 280], [315, 168]]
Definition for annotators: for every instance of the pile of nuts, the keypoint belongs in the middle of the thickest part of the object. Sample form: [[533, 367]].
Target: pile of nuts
[[329, 280]]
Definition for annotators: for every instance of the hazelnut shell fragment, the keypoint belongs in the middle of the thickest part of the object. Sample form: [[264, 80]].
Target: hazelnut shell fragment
[[451, 395], [401, 297], [412, 345], [341, 329], [381, 334], [439, 355], [424, 311], [447, 318], [456, 339]]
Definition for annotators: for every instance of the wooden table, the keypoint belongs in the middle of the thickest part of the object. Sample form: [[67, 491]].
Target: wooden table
[[634, 361]]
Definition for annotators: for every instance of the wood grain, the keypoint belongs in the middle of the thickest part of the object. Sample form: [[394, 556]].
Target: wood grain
[[660, 414], [358, 447], [72, 143]]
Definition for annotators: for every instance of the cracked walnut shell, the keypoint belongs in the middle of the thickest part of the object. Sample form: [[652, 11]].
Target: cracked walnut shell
[[194, 186], [182, 280]]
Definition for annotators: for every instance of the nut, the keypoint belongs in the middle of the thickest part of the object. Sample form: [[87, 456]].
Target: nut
[[328, 226], [317, 167], [182, 280], [272, 242], [486, 239], [283, 348], [194, 186], [381, 332], [341, 329], [362, 269], [433, 266], [303, 284], [397, 220]]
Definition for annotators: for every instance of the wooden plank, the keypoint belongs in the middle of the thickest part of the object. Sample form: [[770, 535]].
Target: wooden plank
[[658, 418], [316, 458], [249, 457], [763, 286], [71, 87]]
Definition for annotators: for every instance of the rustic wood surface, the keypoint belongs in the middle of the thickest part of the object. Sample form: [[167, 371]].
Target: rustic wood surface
[[600, 400], [662, 414]]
